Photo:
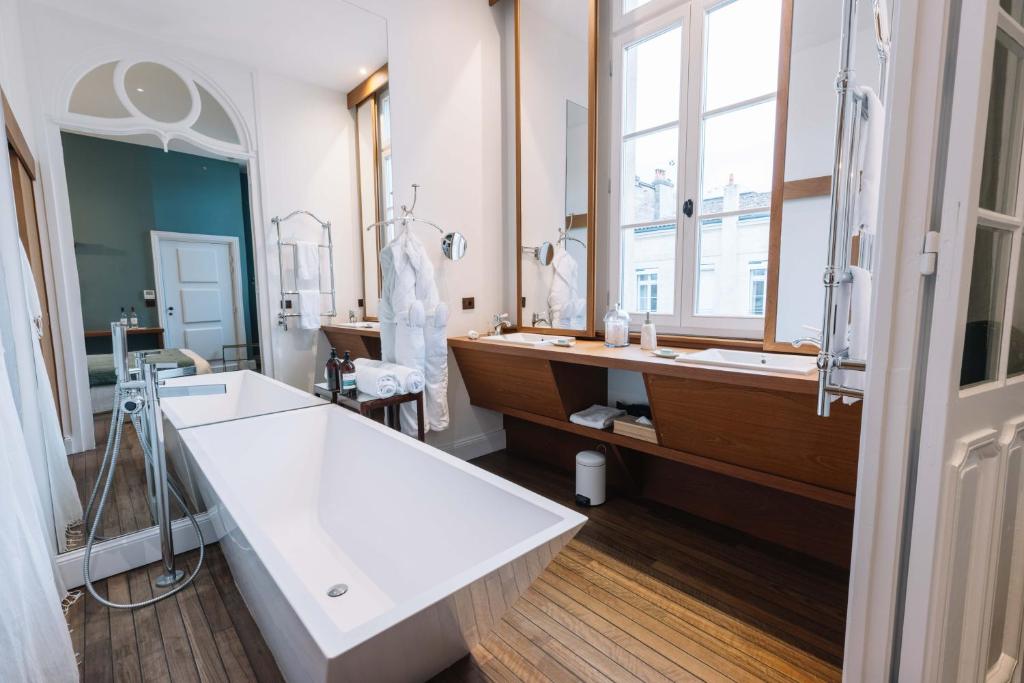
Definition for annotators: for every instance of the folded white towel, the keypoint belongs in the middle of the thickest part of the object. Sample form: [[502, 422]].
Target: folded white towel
[[598, 417], [410, 380], [309, 309], [307, 265], [377, 382]]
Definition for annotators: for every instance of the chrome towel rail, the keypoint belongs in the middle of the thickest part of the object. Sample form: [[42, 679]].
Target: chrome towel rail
[[326, 243]]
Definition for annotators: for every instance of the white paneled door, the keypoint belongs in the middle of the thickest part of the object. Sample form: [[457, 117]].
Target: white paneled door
[[965, 588], [197, 281]]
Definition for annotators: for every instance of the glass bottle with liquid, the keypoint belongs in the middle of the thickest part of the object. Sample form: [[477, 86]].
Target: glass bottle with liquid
[[332, 372], [348, 376], [616, 327], [133, 318], [124, 317]]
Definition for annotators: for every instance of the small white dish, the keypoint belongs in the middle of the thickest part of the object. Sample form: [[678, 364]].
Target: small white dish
[[665, 353], [564, 342]]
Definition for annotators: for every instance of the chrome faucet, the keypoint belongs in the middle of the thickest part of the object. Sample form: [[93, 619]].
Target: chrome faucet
[[499, 323], [537, 320], [352, 316]]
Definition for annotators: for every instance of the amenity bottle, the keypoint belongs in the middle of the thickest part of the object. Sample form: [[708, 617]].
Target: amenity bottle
[[648, 335], [348, 376], [332, 372], [616, 327], [124, 317], [133, 318]]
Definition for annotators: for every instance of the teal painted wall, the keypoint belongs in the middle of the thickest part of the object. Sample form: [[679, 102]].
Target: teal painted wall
[[119, 192]]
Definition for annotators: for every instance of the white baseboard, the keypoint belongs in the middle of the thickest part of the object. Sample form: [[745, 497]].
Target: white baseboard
[[477, 445], [131, 551]]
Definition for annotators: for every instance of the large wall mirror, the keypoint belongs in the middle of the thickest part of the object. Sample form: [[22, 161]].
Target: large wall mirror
[[556, 103], [803, 167]]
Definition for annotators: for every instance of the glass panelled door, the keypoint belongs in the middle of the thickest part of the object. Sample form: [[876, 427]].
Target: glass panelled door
[[965, 595]]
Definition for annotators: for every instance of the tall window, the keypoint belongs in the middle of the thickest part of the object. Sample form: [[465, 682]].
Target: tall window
[[387, 192], [647, 290], [758, 275], [695, 158]]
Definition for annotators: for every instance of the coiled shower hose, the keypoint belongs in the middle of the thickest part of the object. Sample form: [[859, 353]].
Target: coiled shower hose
[[109, 465]]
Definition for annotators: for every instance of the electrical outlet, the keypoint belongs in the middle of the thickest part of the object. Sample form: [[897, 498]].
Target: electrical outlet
[[287, 303], [360, 303], [468, 303], [522, 302]]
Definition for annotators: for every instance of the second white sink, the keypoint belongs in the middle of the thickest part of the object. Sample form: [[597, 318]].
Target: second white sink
[[528, 339]]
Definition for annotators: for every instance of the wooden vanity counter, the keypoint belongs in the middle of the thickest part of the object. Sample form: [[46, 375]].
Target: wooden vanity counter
[[746, 446], [360, 342]]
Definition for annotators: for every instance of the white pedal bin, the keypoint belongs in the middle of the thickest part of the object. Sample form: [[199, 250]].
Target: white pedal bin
[[590, 478]]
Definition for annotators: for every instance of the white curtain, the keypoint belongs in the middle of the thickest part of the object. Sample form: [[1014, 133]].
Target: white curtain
[[34, 639]]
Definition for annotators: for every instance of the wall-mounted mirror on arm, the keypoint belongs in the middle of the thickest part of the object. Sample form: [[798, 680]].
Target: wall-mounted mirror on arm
[[556, 96], [805, 145], [370, 103]]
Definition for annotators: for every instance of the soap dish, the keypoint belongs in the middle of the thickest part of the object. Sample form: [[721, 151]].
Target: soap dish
[[665, 353]]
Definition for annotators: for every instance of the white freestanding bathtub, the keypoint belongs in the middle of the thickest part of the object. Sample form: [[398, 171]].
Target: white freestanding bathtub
[[247, 394], [431, 550]]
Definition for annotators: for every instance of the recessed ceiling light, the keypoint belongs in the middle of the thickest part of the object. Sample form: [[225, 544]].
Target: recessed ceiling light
[[362, 71], [140, 90]]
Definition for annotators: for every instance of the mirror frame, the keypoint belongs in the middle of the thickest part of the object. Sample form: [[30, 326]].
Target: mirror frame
[[783, 190], [590, 325]]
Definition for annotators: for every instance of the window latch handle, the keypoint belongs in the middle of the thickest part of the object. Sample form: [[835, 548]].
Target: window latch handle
[[688, 208]]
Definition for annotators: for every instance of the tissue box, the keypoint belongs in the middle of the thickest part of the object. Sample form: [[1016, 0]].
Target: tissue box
[[627, 426]]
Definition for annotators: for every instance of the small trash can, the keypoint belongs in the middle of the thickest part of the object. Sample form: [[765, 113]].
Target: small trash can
[[590, 476]]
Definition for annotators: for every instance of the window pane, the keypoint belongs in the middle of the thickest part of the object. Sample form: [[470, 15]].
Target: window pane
[[1015, 8], [648, 269], [986, 306], [649, 172], [650, 83], [1001, 164], [733, 254], [1016, 362], [737, 159], [742, 52], [630, 5]]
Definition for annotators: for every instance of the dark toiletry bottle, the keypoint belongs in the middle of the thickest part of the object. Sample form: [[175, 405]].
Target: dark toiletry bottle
[[348, 376], [332, 372]]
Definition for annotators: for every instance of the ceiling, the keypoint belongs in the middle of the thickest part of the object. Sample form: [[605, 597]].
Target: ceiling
[[324, 42]]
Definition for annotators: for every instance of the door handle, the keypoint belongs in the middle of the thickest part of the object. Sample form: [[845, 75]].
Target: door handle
[[688, 208]]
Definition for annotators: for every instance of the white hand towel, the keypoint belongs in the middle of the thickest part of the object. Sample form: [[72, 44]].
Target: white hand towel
[[596, 416], [860, 327], [376, 381], [309, 309], [410, 380], [409, 351], [307, 265]]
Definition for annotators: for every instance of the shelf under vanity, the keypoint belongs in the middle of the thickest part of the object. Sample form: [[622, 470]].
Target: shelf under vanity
[[741, 447]]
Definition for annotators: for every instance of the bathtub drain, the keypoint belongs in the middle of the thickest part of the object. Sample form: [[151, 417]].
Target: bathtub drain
[[337, 590]]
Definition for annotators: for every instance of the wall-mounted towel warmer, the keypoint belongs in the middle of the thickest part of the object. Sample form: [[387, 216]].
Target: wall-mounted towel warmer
[[851, 113], [283, 314]]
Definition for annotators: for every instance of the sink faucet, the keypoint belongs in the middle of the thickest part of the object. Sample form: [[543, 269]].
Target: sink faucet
[[538, 319], [499, 323], [351, 316]]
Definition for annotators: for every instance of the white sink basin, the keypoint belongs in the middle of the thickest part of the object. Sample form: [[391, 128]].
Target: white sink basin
[[366, 325], [753, 360], [528, 339]]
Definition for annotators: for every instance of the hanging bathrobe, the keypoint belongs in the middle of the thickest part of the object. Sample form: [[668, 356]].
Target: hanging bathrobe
[[66, 505], [33, 633], [563, 298], [412, 320]]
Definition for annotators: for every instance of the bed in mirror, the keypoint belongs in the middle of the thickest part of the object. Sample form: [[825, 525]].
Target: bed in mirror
[[556, 96]]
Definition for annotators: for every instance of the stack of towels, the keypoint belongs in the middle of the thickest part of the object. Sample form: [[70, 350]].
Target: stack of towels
[[307, 283], [598, 417], [383, 380]]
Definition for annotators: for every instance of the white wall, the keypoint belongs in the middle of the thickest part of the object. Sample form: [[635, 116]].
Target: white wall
[[307, 161], [445, 65]]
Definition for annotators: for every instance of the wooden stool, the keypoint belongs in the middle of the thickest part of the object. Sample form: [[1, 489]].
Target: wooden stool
[[365, 405]]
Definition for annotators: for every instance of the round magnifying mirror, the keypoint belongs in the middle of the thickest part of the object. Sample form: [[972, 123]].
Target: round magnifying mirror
[[545, 253], [453, 245]]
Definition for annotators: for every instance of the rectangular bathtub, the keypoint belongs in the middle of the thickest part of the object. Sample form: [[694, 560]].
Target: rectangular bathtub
[[247, 394], [432, 550]]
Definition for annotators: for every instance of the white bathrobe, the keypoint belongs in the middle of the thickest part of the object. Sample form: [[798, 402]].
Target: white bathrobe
[[412, 321], [67, 508], [564, 301]]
